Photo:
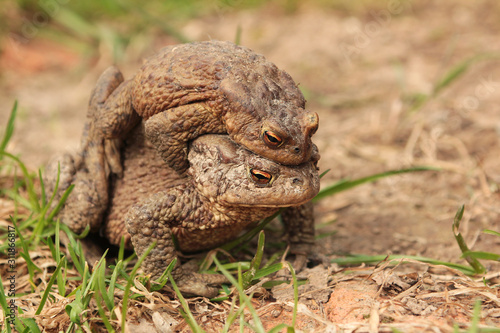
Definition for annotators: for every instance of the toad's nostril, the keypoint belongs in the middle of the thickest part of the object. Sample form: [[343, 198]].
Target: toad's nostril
[[296, 150], [297, 181]]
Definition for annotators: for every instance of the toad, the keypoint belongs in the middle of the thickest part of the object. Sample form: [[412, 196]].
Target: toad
[[226, 188], [209, 87]]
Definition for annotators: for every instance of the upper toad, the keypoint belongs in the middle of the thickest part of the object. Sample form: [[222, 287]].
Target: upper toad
[[211, 87]]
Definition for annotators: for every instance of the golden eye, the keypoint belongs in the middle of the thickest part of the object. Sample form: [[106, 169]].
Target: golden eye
[[272, 139], [260, 177]]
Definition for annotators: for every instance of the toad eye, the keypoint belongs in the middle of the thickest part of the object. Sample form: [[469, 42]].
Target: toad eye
[[260, 177], [272, 139]]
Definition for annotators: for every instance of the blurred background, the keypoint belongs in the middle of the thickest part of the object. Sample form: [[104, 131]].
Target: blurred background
[[395, 83]]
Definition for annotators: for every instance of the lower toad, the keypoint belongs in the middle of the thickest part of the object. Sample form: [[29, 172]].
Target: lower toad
[[227, 187]]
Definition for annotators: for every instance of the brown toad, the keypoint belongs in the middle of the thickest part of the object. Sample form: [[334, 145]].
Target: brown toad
[[226, 188], [210, 87]]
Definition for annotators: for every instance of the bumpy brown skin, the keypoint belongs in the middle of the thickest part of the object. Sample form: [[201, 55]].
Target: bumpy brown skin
[[211, 206], [212, 87], [89, 169], [216, 200]]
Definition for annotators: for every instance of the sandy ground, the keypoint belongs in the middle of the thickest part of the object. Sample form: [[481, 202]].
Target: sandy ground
[[361, 70]]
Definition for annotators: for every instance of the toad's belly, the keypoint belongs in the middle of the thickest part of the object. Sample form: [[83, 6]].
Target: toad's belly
[[144, 174], [198, 240]]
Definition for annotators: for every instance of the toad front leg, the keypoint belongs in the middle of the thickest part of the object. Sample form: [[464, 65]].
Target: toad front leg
[[153, 220], [113, 116], [170, 131], [299, 225]]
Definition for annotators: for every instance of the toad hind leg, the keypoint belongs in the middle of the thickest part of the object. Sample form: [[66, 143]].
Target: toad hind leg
[[89, 169], [150, 221], [89, 199]]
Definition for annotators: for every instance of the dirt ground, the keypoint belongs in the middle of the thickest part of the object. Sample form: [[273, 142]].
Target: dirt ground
[[361, 69]]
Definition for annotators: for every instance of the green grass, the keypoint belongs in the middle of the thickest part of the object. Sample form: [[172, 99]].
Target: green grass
[[86, 26], [418, 100], [473, 257]]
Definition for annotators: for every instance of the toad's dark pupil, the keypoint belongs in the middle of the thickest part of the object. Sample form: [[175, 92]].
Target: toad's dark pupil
[[272, 138], [260, 177]]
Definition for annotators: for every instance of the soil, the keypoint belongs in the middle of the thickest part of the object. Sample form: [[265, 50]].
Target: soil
[[363, 69]]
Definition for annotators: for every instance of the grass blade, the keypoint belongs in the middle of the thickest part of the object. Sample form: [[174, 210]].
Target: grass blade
[[130, 281], [102, 314], [25, 254], [114, 277], [49, 286], [268, 270], [101, 286], [31, 325], [452, 75], [295, 294], [61, 202], [456, 72], [473, 262], [482, 255], [246, 237], [5, 307], [186, 313], [159, 283], [75, 251], [43, 199], [279, 328], [9, 129], [56, 255], [348, 184], [77, 24], [255, 263], [246, 300], [121, 251], [237, 37], [35, 205], [492, 232], [363, 259], [476, 318]]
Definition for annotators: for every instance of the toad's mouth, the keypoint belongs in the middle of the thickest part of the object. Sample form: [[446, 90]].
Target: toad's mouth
[[268, 204]]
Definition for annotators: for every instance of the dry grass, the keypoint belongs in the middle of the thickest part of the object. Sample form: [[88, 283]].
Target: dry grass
[[409, 296]]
